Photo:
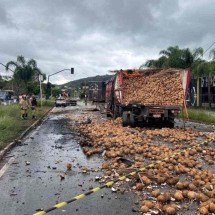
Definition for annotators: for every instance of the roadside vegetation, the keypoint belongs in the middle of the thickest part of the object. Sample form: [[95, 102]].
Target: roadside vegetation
[[199, 115], [11, 124]]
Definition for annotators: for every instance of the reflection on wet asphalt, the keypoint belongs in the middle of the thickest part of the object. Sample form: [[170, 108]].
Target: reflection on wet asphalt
[[33, 180]]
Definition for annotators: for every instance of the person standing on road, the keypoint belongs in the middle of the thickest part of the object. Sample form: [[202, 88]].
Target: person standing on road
[[33, 106], [24, 107]]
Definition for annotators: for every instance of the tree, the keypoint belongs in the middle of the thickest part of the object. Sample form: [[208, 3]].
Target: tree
[[24, 71], [159, 63], [2, 83], [33, 88], [56, 92], [175, 57]]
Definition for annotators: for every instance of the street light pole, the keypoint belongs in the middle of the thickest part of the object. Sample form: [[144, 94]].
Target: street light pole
[[57, 73], [72, 72], [41, 94], [85, 93]]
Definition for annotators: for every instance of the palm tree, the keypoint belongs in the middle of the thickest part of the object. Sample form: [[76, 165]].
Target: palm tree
[[181, 58], [159, 63], [175, 57], [24, 71]]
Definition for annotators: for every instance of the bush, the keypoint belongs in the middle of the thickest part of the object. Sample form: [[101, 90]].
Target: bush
[[200, 115], [46, 103]]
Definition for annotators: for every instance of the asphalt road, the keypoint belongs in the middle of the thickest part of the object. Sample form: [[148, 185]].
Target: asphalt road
[[30, 178], [30, 175]]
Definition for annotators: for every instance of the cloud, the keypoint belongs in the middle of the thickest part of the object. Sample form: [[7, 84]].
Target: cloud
[[95, 36]]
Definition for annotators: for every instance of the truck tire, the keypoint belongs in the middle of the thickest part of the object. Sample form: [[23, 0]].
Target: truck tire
[[115, 112], [132, 120], [125, 119], [108, 115], [171, 124]]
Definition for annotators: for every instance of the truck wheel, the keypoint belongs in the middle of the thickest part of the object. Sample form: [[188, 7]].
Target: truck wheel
[[116, 112], [132, 120], [125, 120], [108, 115], [169, 123]]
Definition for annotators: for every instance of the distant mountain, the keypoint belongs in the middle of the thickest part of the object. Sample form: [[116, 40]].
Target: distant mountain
[[81, 82]]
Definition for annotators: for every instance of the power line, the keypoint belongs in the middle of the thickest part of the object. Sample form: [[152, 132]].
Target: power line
[[6, 67], [209, 48]]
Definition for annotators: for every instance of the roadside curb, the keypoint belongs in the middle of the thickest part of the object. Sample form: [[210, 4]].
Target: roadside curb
[[196, 121], [24, 133]]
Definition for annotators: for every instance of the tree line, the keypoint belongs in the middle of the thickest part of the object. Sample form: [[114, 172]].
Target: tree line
[[26, 73]]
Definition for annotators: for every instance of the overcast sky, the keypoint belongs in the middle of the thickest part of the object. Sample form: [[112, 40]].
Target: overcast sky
[[95, 36]]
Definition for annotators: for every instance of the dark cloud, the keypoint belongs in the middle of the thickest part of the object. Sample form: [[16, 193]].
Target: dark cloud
[[95, 36]]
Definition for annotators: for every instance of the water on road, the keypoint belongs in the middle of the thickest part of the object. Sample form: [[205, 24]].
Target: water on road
[[33, 180]]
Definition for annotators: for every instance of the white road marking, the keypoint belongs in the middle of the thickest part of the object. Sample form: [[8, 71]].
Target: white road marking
[[6, 166]]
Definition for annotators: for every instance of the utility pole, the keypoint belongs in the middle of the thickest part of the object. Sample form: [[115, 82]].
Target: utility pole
[[41, 94], [85, 93]]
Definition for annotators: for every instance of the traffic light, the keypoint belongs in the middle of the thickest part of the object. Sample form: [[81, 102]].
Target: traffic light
[[72, 70]]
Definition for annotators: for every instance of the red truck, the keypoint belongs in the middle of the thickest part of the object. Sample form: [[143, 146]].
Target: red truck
[[137, 113]]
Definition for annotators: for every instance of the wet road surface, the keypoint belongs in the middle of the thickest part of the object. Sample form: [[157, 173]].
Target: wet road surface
[[33, 181]]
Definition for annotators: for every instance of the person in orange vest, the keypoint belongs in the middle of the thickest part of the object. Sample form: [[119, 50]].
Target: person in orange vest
[[24, 106]]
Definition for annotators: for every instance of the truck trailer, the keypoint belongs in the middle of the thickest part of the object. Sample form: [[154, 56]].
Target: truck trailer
[[96, 91], [129, 95]]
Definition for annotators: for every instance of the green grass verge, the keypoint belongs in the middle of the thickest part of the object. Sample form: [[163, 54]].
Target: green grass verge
[[200, 115], [47, 103], [11, 124]]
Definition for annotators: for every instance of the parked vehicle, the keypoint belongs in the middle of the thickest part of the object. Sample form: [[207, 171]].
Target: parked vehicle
[[71, 102], [60, 102], [137, 113], [7, 97]]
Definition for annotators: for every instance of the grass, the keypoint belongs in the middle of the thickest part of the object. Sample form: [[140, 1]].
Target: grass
[[11, 124], [47, 103], [200, 115]]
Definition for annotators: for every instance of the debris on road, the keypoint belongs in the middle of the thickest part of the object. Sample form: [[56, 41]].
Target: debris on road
[[13, 194], [62, 177], [172, 182], [69, 166], [27, 162]]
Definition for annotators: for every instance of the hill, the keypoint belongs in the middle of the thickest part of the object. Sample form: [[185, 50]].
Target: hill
[[81, 82]]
